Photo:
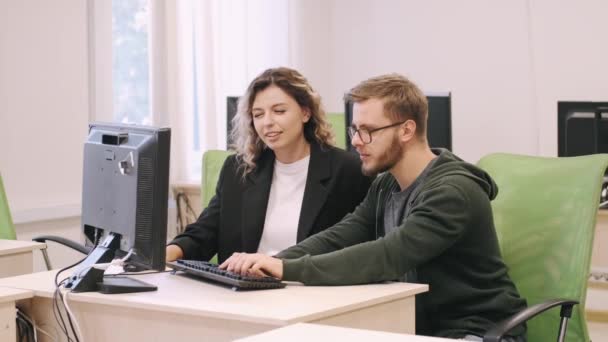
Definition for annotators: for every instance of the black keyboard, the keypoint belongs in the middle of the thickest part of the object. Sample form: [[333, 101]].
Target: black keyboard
[[209, 271]]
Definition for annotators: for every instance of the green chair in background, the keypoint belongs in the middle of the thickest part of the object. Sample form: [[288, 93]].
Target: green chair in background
[[213, 160], [336, 120], [7, 230], [545, 217]]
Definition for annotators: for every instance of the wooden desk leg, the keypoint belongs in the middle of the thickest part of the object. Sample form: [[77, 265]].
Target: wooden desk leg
[[8, 328], [397, 317]]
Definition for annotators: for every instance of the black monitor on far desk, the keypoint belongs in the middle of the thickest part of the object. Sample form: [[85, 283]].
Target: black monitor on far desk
[[439, 124], [582, 129]]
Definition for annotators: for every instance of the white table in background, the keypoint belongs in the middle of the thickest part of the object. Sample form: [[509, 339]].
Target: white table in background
[[16, 257]]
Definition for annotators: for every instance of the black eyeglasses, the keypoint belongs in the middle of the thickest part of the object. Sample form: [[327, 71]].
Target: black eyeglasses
[[366, 134]]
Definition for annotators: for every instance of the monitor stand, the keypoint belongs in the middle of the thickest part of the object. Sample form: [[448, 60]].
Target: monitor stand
[[119, 284], [87, 278]]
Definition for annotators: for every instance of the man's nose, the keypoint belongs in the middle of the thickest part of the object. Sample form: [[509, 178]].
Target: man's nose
[[356, 140]]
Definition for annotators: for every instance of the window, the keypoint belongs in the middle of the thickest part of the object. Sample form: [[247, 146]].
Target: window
[[173, 63], [120, 61], [130, 62]]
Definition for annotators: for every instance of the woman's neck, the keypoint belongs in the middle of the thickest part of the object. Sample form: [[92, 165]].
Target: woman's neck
[[294, 152]]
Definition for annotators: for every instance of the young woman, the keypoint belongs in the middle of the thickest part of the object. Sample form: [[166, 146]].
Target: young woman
[[286, 180]]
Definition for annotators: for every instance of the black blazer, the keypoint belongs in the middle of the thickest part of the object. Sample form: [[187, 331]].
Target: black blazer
[[234, 219]]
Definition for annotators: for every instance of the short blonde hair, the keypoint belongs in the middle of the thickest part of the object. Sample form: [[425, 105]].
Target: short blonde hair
[[403, 100], [247, 143]]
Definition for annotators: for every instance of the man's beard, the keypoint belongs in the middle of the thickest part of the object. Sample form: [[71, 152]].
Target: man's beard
[[386, 160]]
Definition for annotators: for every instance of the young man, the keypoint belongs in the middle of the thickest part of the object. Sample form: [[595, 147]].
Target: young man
[[427, 220]]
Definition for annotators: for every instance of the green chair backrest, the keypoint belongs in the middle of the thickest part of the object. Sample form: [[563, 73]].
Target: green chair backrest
[[7, 230], [545, 217], [336, 120], [213, 160]]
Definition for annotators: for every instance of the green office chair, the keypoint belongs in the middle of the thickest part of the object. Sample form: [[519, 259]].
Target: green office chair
[[338, 125], [545, 217], [7, 230], [213, 160]]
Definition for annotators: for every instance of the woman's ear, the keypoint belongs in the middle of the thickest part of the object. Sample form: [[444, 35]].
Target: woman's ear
[[306, 115]]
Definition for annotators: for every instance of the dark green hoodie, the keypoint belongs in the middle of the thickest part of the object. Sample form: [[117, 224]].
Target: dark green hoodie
[[448, 237]]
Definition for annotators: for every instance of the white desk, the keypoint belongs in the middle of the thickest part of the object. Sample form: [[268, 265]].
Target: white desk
[[191, 310], [8, 297], [315, 333], [16, 257]]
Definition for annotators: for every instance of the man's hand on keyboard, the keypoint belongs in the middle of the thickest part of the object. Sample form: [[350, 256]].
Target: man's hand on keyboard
[[257, 264]]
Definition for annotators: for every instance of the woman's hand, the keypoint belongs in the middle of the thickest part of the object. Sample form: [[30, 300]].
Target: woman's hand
[[258, 265], [173, 252]]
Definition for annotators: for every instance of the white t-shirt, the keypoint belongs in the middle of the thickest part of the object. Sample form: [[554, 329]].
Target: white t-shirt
[[284, 205]]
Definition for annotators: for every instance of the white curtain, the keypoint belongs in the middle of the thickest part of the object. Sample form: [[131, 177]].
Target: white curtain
[[214, 49]]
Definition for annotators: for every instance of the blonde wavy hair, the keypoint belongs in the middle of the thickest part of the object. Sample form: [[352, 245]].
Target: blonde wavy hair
[[247, 143]]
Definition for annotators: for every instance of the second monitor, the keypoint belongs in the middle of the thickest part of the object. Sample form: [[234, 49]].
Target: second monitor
[[439, 125]]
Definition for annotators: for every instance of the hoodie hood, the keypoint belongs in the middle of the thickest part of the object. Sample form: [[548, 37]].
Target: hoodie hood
[[447, 164]]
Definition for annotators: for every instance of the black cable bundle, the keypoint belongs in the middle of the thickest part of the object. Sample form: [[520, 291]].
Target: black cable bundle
[[58, 300], [25, 329]]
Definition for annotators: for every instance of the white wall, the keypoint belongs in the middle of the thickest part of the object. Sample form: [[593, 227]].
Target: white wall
[[310, 46], [507, 63], [43, 115], [43, 104], [475, 49], [570, 59]]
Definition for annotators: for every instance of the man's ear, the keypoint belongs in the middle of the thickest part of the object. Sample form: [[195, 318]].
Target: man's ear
[[408, 130]]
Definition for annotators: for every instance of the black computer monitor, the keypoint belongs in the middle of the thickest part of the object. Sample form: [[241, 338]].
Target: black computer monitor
[[582, 128], [124, 201], [439, 124]]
